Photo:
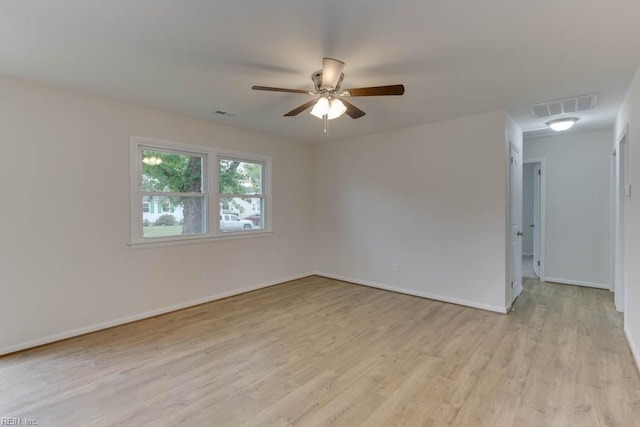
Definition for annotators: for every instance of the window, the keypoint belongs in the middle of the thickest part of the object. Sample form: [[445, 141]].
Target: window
[[241, 194], [171, 195]]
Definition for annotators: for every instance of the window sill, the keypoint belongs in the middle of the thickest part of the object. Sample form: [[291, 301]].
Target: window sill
[[194, 240]]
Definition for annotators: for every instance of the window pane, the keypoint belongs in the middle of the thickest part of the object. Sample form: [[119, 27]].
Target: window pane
[[175, 216], [239, 177], [170, 172], [241, 214]]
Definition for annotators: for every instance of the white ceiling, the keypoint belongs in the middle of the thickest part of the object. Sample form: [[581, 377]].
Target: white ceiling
[[454, 57]]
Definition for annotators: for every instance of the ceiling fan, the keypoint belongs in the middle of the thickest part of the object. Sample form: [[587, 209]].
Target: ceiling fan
[[329, 102]]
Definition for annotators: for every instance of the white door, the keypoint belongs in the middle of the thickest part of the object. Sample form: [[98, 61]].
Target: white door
[[515, 175], [537, 177]]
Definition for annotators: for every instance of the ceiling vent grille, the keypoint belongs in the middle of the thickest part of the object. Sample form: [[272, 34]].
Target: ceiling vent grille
[[564, 106]]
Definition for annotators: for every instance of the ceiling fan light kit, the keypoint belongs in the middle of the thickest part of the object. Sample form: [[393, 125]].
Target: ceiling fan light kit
[[330, 103], [332, 109]]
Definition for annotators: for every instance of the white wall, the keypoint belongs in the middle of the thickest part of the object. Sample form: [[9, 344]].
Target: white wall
[[430, 198], [527, 208], [577, 206], [66, 267], [630, 114]]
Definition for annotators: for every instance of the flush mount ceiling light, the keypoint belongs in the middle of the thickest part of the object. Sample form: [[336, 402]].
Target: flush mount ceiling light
[[563, 124], [152, 161]]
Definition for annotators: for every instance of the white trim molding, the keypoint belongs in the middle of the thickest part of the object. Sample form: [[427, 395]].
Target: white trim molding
[[436, 297], [577, 283], [140, 316], [632, 346]]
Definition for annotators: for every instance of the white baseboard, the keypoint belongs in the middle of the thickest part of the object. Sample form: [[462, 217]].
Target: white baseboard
[[428, 295], [577, 283], [632, 346], [105, 325]]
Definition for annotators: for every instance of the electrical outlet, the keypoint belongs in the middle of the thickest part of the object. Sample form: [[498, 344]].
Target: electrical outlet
[[396, 267]]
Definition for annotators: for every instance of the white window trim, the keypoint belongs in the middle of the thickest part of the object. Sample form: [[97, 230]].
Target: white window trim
[[265, 183], [210, 188]]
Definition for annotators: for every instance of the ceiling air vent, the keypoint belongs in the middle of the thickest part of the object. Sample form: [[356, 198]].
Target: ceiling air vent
[[564, 106]]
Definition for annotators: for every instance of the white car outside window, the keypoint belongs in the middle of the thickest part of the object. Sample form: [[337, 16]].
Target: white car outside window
[[232, 222]]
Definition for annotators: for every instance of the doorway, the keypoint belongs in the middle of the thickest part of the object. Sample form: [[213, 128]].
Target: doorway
[[533, 219]]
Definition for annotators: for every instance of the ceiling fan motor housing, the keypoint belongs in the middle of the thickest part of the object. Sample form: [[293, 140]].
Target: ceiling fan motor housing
[[316, 77]]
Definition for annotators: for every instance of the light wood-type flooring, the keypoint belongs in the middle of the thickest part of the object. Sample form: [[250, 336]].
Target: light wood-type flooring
[[323, 352]]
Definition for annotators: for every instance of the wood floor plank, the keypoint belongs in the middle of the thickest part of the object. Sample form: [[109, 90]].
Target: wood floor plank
[[318, 351]]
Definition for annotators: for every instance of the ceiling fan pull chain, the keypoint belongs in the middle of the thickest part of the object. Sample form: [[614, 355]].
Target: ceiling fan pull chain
[[325, 119]]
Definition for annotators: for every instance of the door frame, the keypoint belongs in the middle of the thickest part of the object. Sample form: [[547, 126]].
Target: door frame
[[542, 229], [513, 290], [621, 190]]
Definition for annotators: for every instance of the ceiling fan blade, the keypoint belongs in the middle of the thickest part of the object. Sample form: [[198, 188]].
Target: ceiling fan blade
[[331, 70], [301, 108], [377, 90], [279, 89], [353, 111]]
